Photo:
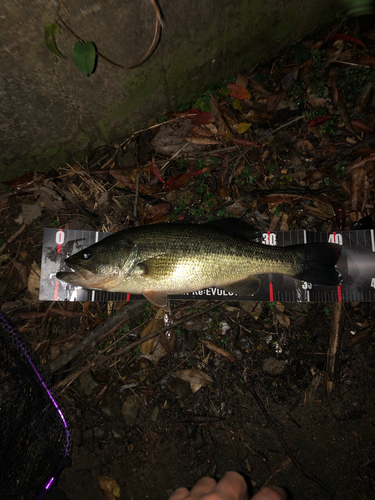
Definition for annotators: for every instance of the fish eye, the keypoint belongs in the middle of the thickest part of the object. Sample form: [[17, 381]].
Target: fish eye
[[86, 255]]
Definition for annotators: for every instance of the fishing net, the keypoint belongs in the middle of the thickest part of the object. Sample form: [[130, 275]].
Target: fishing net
[[35, 442]]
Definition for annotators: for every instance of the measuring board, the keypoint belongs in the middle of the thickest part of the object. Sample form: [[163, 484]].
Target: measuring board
[[357, 265]]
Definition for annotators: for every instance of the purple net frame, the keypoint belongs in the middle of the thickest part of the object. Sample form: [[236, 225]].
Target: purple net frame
[[47, 484]]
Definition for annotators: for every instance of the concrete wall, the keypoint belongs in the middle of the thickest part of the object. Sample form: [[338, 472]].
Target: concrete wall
[[49, 112]]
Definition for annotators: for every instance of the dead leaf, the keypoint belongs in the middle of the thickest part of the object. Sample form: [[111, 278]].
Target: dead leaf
[[157, 353], [23, 272], [275, 99], [241, 127], [241, 142], [274, 222], [288, 81], [343, 110], [318, 213], [238, 92], [303, 145], [224, 192], [221, 352], [326, 208], [194, 376], [318, 102], [359, 163], [168, 338], [199, 117], [216, 111], [334, 90], [241, 80], [223, 172], [25, 180], [156, 212], [30, 210], [280, 198], [283, 223], [167, 341], [239, 169], [155, 323], [259, 88], [104, 200], [179, 180], [346, 38], [238, 208], [212, 128], [356, 188], [258, 116], [34, 281], [202, 141], [236, 105], [109, 486], [332, 149], [120, 304], [200, 131], [169, 140], [359, 126], [367, 60], [47, 198], [120, 176], [282, 318]]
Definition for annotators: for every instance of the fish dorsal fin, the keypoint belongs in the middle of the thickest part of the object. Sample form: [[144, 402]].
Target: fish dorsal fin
[[158, 299], [249, 286], [236, 227]]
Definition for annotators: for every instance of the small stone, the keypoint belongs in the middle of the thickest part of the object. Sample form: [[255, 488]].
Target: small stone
[[155, 413], [88, 383], [274, 366], [118, 435], [99, 433], [253, 308], [245, 342], [111, 410], [130, 409], [181, 388]]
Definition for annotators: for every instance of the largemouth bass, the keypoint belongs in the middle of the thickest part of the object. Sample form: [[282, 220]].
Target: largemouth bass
[[176, 258]]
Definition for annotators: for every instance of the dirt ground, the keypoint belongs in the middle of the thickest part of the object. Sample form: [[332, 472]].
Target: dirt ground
[[276, 429], [280, 392]]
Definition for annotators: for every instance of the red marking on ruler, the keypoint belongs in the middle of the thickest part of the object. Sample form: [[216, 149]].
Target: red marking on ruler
[[269, 237], [59, 240], [128, 296], [271, 291], [55, 297], [339, 296]]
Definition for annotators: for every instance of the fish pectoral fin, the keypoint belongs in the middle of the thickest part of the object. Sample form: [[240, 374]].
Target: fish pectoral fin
[[155, 265], [249, 286], [158, 299]]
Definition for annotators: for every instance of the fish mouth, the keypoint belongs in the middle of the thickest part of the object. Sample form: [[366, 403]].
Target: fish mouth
[[74, 277], [73, 267]]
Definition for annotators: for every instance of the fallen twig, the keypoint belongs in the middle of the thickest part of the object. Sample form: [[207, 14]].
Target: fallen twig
[[334, 344], [111, 323], [102, 359], [12, 238], [297, 464]]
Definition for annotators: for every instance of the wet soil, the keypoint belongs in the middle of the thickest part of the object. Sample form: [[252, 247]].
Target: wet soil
[[276, 429]]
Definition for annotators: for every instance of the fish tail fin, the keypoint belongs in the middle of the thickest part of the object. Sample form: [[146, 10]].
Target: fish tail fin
[[316, 263]]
